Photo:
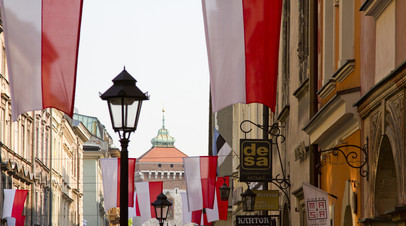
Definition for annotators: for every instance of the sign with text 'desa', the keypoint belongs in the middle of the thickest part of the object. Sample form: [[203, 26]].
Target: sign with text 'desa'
[[255, 160]]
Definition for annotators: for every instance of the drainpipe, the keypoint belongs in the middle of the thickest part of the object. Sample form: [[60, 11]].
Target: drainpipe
[[313, 82]]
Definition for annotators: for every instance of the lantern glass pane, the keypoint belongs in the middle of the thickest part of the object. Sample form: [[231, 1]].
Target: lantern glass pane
[[161, 212], [132, 107], [115, 105]]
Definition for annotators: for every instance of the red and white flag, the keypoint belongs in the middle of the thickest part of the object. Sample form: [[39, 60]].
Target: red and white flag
[[242, 38], [42, 42], [14, 205], [135, 210], [146, 194], [219, 211], [111, 181], [200, 178]]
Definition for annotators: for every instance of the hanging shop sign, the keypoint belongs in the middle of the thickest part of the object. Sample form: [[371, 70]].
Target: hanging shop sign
[[267, 200], [255, 160], [253, 220]]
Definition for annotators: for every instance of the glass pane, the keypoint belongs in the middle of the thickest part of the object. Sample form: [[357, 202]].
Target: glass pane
[[132, 107], [116, 112]]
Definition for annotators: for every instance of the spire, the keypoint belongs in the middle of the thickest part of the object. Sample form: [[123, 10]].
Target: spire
[[163, 118], [163, 139]]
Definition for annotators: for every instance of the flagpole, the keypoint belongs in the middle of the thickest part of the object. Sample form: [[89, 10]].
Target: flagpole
[[50, 172]]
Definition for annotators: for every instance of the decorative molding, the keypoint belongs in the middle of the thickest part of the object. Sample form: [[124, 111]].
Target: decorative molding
[[344, 70], [284, 114], [327, 89], [302, 90], [374, 7]]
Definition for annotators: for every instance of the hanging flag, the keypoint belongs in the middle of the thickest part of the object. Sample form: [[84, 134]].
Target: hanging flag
[[110, 168], [147, 193], [200, 178], [42, 42], [220, 147], [135, 210], [242, 38], [186, 214], [220, 210], [14, 205], [316, 205]]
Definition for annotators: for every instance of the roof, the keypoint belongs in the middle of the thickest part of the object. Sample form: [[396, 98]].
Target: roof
[[162, 155]]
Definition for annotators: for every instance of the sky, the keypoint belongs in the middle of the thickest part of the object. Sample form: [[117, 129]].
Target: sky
[[162, 45]]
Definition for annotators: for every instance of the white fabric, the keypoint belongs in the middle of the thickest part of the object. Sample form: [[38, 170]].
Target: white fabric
[[144, 200], [316, 205], [132, 211], [193, 183], [11, 221], [187, 215], [9, 195], [213, 214], [109, 167], [224, 27], [223, 153], [25, 53]]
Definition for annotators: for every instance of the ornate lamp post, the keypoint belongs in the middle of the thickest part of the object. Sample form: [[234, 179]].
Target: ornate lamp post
[[124, 100], [161, 206]]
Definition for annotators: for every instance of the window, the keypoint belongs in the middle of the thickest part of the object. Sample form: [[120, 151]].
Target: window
[[159, 165], [303, 44], [171, 165], [15, 138], [23, 140]]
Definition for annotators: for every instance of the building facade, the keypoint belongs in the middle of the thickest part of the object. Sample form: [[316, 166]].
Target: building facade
[[97, 147], [163, 162], [341, 83]]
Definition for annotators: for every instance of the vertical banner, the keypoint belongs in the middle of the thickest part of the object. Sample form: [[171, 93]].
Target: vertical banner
[[316, 204]]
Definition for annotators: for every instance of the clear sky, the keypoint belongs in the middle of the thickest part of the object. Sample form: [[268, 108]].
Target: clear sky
[[162, 45]]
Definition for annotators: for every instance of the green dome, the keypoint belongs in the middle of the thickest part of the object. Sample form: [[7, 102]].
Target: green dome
[[163, 139]]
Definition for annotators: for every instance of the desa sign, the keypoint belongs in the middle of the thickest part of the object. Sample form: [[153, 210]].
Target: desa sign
[[255, 160]]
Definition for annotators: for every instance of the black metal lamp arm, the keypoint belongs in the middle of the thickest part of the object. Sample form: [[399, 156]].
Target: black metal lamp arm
[[352, 155]]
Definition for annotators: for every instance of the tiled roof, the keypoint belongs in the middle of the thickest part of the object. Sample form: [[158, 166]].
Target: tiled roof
[[162, 154]]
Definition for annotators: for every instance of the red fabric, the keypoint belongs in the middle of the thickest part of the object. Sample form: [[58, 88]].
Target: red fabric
[[60, 44], [262, 28], [155, 188], [137, 209], [18, 206], [197, 217], [208, 171], [222, 205], [131, 171]]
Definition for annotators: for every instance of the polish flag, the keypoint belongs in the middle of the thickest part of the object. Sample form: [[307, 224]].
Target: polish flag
[[242, 38], [147, 193], [135, 210], [42, 42], [111, 181], [200, 178], [200, 217], [220, 209], [14, 205]]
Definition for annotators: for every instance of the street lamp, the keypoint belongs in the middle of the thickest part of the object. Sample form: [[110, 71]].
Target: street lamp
[[248, 200], [124, 100], [224, 191], [161, 206]]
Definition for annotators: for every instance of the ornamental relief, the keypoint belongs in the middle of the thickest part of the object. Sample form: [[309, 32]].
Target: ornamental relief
[[375, 138], [394, 121]]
